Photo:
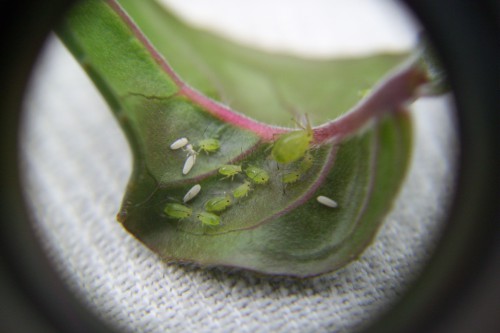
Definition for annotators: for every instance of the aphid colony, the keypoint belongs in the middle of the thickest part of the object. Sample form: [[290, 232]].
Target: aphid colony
[[220, 203], [216, 204], [291, 150]]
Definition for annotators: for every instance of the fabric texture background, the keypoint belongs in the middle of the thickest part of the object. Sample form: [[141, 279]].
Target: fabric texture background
[[76, 167]]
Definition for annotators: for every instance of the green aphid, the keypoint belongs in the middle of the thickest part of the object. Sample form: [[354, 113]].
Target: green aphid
[[177, 211], [291, 177], [209, 145], [291, 146], [208, 218], [307, 162], [257, 175], [230, 170], [242, 190], [218, 204]]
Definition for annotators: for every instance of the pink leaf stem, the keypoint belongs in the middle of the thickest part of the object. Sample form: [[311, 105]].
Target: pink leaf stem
[[396, 90]]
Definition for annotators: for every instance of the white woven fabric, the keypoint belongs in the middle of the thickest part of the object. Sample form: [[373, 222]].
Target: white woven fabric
[[76, 167]]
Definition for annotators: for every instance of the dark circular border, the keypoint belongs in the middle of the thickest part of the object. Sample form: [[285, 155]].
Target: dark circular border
[[32, 296], [458, 291]]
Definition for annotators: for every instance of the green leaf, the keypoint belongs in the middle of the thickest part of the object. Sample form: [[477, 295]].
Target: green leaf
[[251, 80], [278, 227]]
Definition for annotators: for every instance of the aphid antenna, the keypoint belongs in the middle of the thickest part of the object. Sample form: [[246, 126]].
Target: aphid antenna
[[303, 122], [214, 132], [206, 129], [305, 119]]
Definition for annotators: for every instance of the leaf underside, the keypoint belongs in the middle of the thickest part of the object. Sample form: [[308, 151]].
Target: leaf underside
[[276, 228]]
